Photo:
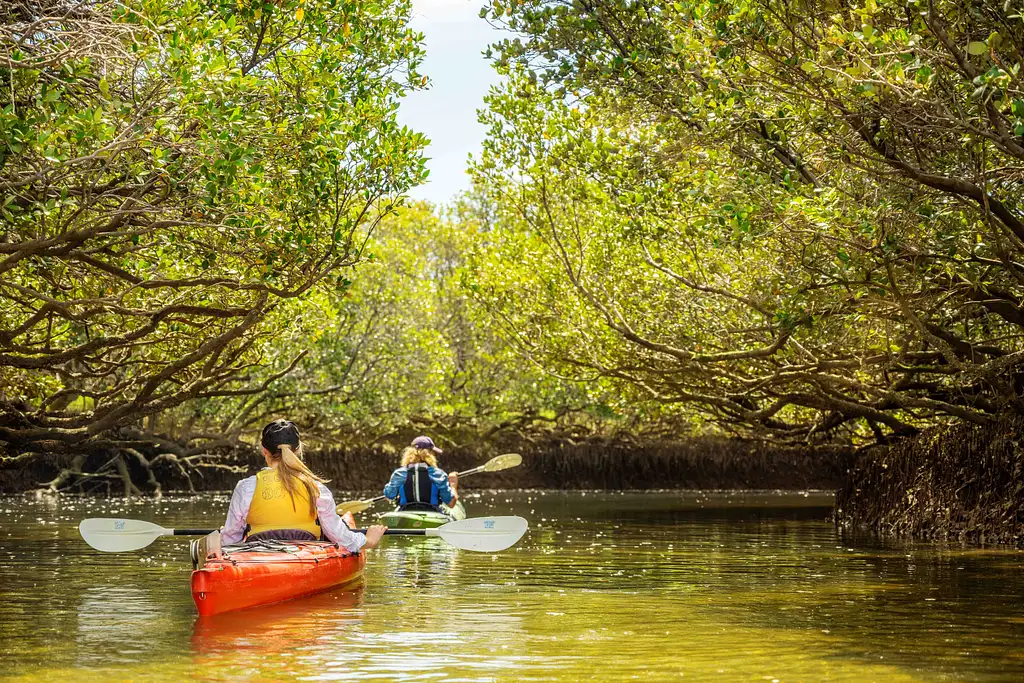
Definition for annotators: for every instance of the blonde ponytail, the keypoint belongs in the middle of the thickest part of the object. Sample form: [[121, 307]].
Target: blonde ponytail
[[293, 472]]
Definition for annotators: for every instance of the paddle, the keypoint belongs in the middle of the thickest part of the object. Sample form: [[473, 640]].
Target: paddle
[[501, 462], [479, 534]]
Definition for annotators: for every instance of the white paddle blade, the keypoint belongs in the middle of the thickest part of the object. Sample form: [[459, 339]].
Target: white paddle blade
[[502, 462], [119, 535], [483, 534]]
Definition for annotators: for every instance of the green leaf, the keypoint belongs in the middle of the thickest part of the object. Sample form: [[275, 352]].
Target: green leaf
[[977, 47]]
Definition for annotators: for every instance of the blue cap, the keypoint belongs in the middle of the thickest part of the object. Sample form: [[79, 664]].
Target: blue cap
[[426, 443]]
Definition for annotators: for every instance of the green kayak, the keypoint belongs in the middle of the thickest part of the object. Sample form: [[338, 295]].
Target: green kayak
[[421, 519]]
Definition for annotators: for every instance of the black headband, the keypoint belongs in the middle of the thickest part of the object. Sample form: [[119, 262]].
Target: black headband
[[279, 433]]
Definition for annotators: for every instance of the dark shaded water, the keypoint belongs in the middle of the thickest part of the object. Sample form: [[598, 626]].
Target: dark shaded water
[[654, 587]]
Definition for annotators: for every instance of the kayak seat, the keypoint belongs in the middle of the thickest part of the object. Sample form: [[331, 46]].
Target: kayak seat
[[276, 546], [205, 549], [283, 535], [418, 507], [261, 546]]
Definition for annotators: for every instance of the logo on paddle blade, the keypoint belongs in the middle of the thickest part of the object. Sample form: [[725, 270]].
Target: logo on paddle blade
[[119, 525], [489, 524]]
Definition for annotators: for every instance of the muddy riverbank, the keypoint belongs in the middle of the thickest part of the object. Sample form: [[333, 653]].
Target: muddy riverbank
[[594, 463], [963, 483]]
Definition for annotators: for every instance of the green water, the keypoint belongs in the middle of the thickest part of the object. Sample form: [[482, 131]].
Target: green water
[[617, 587]]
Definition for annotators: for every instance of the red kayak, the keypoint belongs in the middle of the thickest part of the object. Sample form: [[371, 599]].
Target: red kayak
[[260, 574]]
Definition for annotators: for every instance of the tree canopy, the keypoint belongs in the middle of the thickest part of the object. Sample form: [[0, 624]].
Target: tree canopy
[[803, 220], [402, 347], [172, 172]]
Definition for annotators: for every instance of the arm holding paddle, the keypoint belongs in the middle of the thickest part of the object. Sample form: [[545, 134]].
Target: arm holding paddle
[[453, 482], [374, 534], [335, 529], [391, 490], [447, 486]]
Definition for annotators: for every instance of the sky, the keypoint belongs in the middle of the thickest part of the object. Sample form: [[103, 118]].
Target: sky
[[455, 38]]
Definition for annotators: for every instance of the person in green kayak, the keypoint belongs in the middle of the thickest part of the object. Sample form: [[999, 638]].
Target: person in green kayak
[[419, 484], [286, 501]]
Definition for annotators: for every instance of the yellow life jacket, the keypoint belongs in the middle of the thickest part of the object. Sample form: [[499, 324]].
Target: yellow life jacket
[[272, 508]]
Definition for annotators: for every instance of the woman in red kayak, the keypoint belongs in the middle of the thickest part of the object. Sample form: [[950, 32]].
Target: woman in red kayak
[[286, 501]]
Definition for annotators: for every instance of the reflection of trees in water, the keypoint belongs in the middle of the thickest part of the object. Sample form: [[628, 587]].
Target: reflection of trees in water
[[430, 594], [418, 563], [119, 624], [783, 571], [696, 590]]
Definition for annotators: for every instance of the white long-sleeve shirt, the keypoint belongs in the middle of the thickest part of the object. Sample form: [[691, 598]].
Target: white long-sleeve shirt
[[331, 524]]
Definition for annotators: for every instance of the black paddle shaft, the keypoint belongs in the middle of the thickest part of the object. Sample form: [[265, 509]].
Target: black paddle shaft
[[389, 532]]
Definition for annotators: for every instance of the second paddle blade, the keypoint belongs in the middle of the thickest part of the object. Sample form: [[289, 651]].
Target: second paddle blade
[[354, 506], [113, 535], [503, 462], [483, 534]]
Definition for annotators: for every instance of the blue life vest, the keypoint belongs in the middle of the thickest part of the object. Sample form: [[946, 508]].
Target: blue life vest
[[419, 491]]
